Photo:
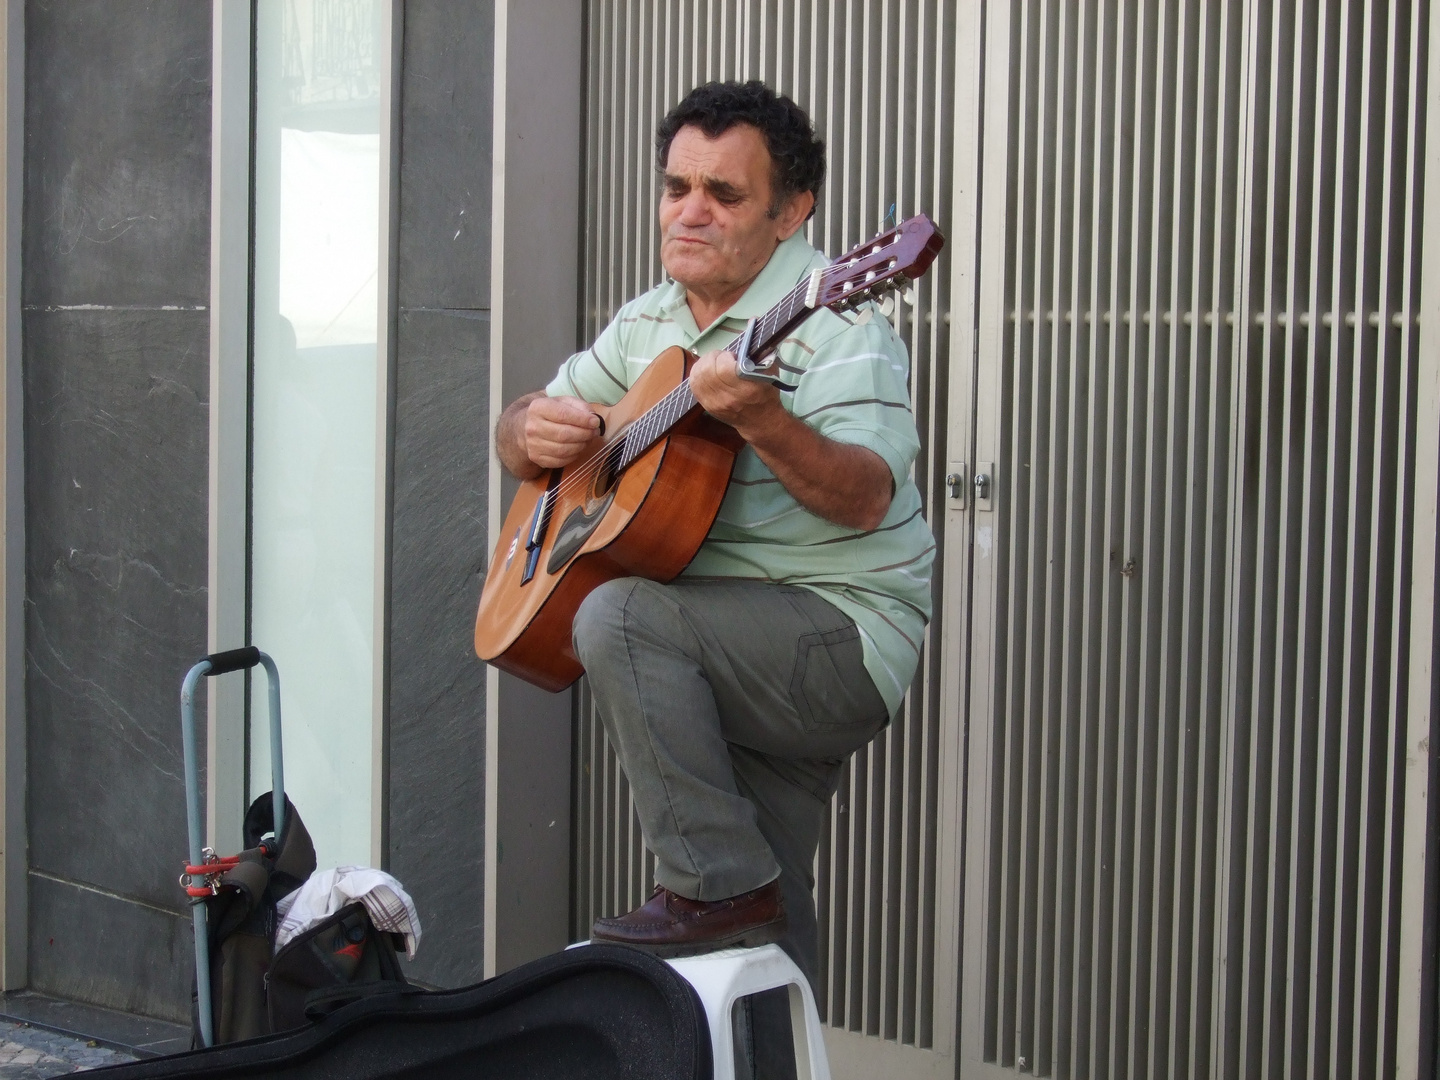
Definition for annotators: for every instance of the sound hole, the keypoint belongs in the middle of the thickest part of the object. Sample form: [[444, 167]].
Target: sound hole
[[608, 475]]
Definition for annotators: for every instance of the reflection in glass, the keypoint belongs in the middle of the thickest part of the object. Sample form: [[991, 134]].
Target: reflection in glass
[[317, 221]]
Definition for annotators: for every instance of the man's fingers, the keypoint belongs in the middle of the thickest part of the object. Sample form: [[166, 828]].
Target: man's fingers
[[550, 431], [560, 420], [723, 393], [556, 447], [568, 411], [713, 379], [558, 429], [715, 368]]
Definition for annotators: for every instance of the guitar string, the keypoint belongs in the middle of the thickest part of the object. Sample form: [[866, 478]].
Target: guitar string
[[659, 417], [588, 469], [591, 467], [669, 405]]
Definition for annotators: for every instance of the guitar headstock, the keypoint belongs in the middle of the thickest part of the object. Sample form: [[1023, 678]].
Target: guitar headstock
[[890, 261]]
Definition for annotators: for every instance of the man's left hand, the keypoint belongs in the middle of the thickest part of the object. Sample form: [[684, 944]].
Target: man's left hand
[[747, 405], [849, 485]]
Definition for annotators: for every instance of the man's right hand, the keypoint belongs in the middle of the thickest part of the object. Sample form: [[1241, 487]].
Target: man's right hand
[[557, 430], [536, 433]]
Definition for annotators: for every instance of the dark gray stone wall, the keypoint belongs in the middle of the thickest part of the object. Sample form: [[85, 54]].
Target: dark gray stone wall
[[442, 420], [115, 283]]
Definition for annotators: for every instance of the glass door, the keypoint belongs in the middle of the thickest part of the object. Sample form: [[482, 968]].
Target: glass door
[[318, 419]]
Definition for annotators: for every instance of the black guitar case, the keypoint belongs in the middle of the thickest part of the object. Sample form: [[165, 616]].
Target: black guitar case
[[598, 1011]]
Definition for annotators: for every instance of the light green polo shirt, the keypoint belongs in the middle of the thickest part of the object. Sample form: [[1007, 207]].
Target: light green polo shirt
[[851, 373]]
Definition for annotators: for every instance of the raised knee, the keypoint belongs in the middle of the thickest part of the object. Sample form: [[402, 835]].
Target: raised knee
[[601, 614]]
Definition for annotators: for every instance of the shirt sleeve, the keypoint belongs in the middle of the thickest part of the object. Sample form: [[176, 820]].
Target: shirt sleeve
[[854, 388], [597, 374]]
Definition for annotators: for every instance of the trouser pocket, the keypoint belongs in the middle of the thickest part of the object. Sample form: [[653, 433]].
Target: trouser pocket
[[832, 691]]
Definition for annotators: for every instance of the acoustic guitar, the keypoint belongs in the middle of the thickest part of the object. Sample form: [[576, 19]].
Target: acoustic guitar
[[640, 500]]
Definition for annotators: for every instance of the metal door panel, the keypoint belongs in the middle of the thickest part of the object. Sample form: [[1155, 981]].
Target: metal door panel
[[1196, 376]]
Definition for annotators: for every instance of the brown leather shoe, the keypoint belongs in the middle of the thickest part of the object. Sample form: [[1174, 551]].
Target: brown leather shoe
[[670, 925]]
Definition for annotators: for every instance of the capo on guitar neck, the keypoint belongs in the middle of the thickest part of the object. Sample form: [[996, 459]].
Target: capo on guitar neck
[[747, 367]]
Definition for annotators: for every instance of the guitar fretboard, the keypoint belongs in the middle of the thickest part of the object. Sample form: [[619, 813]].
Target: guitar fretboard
[[657, 421]]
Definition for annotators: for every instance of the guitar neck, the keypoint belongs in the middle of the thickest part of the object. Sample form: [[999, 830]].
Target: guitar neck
[[776, 324], [655, 423], [771, 329]]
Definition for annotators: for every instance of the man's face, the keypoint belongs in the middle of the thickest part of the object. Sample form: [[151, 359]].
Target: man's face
[[717, 233]]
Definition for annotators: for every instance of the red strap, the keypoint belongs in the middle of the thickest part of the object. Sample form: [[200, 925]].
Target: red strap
[[209, 873], [219, 866]]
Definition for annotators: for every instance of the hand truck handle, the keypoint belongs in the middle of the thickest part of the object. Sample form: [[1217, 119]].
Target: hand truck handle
[[232, 660], [218, 664]]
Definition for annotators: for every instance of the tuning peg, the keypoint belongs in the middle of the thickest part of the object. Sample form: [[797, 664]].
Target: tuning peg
[[909, 295], [887, 305]]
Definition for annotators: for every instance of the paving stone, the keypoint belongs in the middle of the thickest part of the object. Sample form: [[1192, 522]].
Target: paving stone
[[31, 1053]]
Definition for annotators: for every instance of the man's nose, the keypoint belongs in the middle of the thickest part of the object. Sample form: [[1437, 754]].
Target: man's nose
[[695, 209]]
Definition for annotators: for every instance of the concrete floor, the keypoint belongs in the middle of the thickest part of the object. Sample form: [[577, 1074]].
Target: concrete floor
[[31, 1053], [42, 1036]]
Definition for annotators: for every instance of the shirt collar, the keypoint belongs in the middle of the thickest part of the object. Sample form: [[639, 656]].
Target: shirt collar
[[790, 260]]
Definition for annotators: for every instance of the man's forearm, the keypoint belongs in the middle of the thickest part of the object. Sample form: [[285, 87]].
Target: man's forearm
[[510, 439], [845, 484]]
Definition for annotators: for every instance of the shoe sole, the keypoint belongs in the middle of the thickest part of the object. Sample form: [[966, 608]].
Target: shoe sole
[[753, 938]]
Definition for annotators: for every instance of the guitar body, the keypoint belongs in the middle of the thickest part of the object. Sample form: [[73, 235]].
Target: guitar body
[[647, 521]]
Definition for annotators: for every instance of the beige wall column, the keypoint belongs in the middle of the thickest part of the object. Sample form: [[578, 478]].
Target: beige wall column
[[14, 910], [1415, 1037], [229, 411], [535, 257]]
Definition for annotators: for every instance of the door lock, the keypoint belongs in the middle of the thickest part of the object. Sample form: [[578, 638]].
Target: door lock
[[985, 485], [955, 484]]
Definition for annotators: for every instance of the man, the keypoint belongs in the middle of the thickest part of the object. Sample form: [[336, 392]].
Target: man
[[734, 694]]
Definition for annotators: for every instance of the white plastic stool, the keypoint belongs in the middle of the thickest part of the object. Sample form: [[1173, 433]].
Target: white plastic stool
[[722, 978]]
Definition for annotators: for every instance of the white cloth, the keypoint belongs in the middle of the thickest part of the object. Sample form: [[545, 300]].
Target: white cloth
[[327, 891]]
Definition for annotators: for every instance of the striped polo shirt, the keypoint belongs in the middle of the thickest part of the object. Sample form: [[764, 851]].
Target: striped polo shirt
[[851, 376]]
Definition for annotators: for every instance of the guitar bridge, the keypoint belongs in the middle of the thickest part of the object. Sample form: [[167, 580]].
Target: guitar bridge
[[539, 526]]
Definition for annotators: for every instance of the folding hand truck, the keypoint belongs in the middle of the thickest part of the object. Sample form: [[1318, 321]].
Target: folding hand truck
[[205, 867]]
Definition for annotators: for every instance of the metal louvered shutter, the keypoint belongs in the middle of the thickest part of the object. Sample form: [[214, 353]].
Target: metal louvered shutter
[[1197, 376]]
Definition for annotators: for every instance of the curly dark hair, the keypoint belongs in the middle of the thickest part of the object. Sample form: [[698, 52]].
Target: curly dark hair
[[797, 154]]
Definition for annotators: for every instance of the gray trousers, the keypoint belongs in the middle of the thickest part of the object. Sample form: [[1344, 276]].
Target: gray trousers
[[732, 706]]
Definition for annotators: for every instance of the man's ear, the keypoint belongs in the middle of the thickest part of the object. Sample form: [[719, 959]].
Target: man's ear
[[794, 214]]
